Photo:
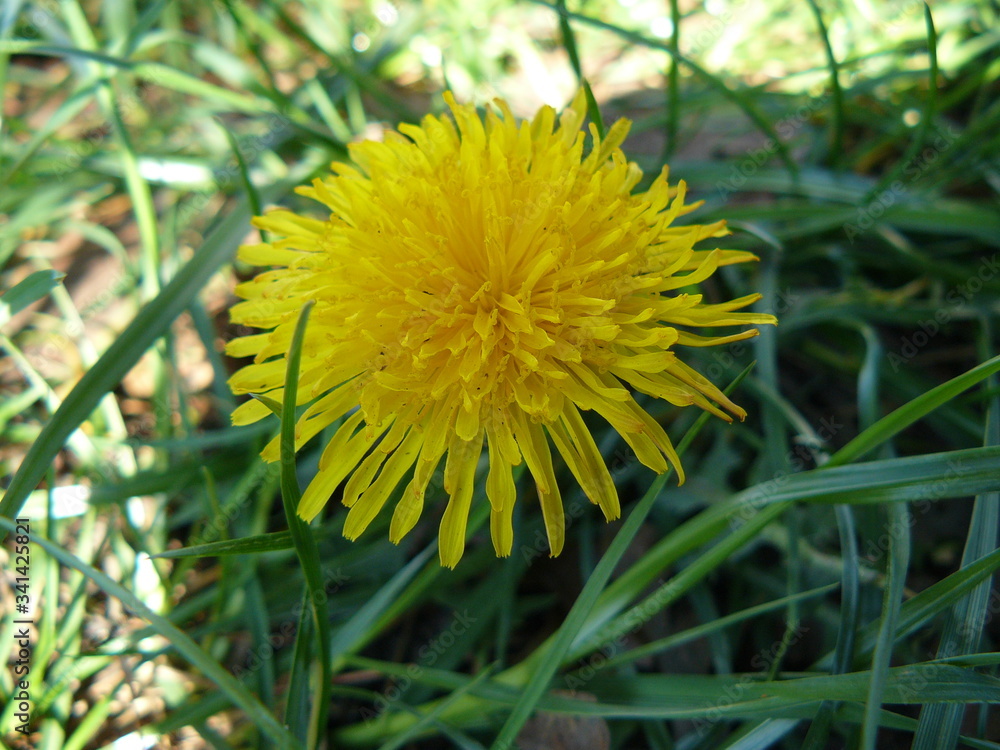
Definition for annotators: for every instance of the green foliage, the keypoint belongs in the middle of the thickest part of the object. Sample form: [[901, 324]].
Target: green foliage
[[823, 579]]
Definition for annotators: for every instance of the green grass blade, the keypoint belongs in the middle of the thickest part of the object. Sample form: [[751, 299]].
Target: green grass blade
[[149, 324], [899, 561], [593, 110], [926, 121], [927, 604], [544, 669], [678, 585], [837, 122], [934, 476], [251, 545], [181, 641], [940, 725], [569, 39], [305, 543], [693, 697], [741, 100], [251, 191], [819, 731], [434, 714], [31, 289], [894, 423], [300, 691], [357, 630], [673, 84], [700, 631]]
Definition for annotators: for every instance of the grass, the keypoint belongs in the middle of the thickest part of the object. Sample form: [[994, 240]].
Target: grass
[[823, 579]]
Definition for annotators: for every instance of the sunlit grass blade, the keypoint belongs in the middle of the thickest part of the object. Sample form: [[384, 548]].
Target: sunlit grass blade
[[29, 290], [181, 641], [743, 101], [148, 325]]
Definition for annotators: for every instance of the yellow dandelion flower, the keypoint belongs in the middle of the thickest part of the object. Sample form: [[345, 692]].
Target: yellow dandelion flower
[[482, 280]]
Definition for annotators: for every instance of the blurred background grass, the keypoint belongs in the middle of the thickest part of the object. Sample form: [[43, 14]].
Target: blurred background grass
[[854, 146]]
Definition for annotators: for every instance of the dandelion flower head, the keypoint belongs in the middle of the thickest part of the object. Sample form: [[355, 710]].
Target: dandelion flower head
[[482, 280]]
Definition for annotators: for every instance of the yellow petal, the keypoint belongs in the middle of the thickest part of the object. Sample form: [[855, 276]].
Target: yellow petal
[[459, 477]]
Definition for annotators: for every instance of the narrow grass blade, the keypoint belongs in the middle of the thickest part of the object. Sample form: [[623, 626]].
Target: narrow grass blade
[[899, 561], [741, 100], [251, 191], [305, 543], [434, 714], [544, 669], [29, 290], [251, 545], [186, 647], [353, 633], [593, 110], [926, 121], [894, 423], [935, 476], [300, 691], [837, 122], [569, 39], [927, 604], [700, 631], [673, 83], [677, 586], [684, 696], [939, 726], [819, 730], [148, 325]]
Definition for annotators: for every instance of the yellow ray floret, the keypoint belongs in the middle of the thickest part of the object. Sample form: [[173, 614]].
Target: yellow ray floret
[[482, 280]]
